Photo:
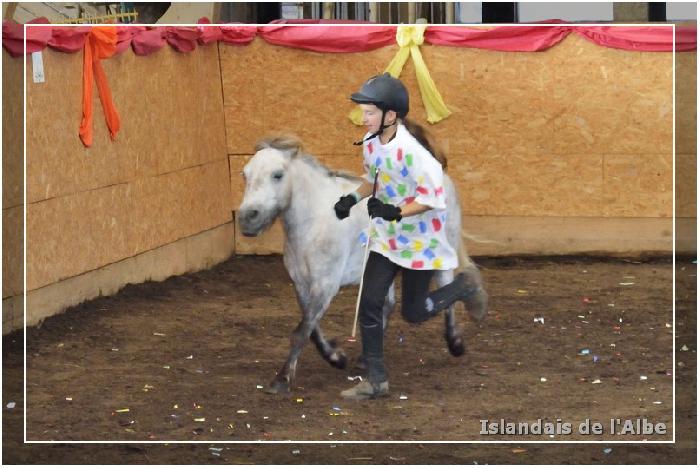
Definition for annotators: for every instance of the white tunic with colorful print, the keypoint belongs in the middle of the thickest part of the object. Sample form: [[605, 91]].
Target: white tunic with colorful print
[[407, 173]]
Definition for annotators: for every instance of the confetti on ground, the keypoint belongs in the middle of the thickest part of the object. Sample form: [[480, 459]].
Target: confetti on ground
[[607, 451], [158, 334], [356, 377], [626, 284], [543, 379], [69, 398], [584, 352], [115, 349], [242, 411], [258, 386], [296, 452], [684, 348], [299, 400], [123, 410], [200, 419], [539, 320], [191, 356], [11, 405], [642, 377], [519, 450], [596, 381], [403, 397]]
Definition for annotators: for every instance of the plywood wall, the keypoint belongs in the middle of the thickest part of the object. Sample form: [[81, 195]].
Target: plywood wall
[[12, 212], [166, 176], [578, 130]]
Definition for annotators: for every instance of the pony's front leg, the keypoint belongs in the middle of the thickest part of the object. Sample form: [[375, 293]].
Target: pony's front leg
[[318, 304], [283, 380]]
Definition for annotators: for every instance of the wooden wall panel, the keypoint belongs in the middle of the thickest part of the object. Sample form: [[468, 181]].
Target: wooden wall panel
[[12, 248], [531, 134], [70, 235], [12, 130], [166, 176]]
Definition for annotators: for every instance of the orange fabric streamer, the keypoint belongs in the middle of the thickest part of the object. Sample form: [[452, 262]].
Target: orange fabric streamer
[[101, 43]]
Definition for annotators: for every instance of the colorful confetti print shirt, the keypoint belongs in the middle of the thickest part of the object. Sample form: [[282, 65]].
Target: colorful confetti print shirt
[[407, 173]]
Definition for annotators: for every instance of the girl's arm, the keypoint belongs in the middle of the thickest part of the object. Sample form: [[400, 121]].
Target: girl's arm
[[413, 208], [364, 190]]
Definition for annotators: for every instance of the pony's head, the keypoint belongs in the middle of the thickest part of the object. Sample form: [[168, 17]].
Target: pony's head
[[267, 183]]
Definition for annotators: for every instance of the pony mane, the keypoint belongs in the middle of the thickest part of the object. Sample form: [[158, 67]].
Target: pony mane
[[292, 144]]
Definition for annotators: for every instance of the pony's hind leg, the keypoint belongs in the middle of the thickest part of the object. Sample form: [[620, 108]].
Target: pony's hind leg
[[329, 349], [453, 335]]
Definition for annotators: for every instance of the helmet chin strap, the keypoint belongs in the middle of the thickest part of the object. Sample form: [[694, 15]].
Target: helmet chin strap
[[382, 127]]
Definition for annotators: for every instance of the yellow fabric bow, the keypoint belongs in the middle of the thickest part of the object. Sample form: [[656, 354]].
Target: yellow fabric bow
[[410, 38]]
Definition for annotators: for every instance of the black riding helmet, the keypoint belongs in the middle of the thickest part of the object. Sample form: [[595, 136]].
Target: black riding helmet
[[385, 92]]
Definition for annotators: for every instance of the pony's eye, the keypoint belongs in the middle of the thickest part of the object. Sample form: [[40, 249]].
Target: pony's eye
[[242, 174], [278, 175]]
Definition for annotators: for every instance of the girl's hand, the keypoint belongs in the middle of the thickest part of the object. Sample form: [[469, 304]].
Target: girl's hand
[[377, 209], [342, 208]]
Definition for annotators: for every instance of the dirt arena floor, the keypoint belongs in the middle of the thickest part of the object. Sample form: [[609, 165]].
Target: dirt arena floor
[[566, 339]]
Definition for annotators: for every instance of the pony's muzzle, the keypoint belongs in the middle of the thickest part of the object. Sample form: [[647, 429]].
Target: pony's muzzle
[[250, 215], [250, 221]]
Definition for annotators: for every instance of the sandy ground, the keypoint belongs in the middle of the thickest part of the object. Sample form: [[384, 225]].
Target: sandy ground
[[187, 358]]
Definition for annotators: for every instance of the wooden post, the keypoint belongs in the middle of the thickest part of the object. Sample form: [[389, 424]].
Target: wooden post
[[373, 11], [449, 13], [411, 12], [328, 10], [10, 11]]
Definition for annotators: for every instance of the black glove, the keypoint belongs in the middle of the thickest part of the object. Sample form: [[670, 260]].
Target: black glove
[[377, 209], [342, 208]]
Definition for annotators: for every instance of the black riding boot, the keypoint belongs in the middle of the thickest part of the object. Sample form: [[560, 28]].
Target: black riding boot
[[467, 288]]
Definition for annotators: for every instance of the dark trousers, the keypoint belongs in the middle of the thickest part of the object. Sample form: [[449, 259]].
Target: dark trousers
[[378, 277]]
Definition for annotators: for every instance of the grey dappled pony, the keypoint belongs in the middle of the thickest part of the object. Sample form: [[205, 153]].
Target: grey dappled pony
[[322, 253]]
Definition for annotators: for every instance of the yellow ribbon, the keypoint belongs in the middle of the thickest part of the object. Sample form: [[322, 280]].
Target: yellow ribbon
[[410, 38]]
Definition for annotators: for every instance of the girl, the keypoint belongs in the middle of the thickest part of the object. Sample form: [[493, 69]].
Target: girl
[[408, 234]]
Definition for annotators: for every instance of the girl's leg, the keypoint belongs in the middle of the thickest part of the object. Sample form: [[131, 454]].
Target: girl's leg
[[418, 305], [378, 277], [415, 286]]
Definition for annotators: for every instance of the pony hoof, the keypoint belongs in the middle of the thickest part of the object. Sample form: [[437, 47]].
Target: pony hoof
[[338, 359], [456, 347], [477, 305], [278, 386]]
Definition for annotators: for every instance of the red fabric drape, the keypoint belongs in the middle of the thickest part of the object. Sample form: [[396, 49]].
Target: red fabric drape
[[125, 35], [182, 39], [640, 38], [238, 35], [68, 39], [348, 36], [101, 43], [148, 41], [13, 37], [330, 38], [503, 38]]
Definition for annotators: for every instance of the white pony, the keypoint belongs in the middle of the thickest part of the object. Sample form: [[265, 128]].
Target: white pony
[[322, 253]]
